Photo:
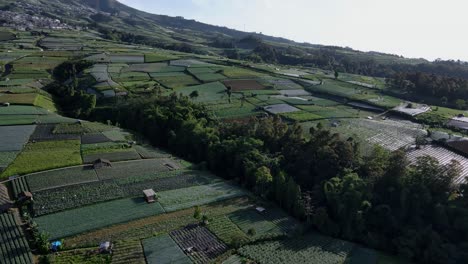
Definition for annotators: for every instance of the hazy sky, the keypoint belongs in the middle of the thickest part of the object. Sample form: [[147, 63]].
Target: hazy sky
[[413, 28]]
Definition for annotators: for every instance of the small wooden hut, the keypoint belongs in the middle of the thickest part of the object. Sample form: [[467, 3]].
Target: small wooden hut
[[150, 196]]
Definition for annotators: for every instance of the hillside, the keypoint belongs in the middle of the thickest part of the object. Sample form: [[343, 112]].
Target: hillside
[[121, 23], [249, 160]]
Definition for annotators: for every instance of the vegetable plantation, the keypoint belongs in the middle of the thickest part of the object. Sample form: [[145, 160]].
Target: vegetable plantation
[[97, 216]]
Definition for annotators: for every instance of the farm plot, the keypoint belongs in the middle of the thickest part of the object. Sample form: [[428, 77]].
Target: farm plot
[[226, 230], [60, 178], [302, 116], [73, 222], [209, 77], [45, 132], [311, 248], [174, 82], [128, 251], [157, 57], [206, 247], [235, 109], [122, 58], [280, 109], [45, 155], [22, 110], [106, 147], [94, 138], [189, 63], [281, 84], [13, 245], [19, 99], [14, 137], [75, 196], [7, 157], [163, 250], [148, 152], [206, 92], [58, 199], [141, 168], [239, 73], [146, 67], [294, 93], [250, 219], [243, 85], [130, 76], [86, 256], [128, 154], [117, 135], [147, 227], [444, 156], [188, 197]]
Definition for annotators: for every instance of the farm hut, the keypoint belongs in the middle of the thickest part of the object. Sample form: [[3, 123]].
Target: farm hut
[[150, 195], [25, 196], [105, 248], [260, 209], [101, 163]]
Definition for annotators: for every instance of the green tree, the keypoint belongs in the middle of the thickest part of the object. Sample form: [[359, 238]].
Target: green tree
[[194, 94], [197, 214], [461, 104], [337, 74], [263, 180]]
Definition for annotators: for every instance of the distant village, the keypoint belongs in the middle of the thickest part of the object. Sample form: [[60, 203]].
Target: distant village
[[30, 18], [25, 22]]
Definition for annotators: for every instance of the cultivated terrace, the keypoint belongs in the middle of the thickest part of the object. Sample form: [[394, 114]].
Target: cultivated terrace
[[250, 162]]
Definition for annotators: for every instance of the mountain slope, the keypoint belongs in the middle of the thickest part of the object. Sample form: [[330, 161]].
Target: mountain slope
[[122, 23]]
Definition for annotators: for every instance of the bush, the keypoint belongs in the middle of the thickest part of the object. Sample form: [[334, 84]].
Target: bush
[[251, 232]]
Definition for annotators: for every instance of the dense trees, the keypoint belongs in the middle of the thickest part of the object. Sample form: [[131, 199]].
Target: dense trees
[[449, 90], [381, 201]]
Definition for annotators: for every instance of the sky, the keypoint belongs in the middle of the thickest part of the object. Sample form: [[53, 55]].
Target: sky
[[428, 29]]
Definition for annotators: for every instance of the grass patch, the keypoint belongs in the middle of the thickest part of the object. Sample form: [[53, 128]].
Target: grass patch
[[45, 155]]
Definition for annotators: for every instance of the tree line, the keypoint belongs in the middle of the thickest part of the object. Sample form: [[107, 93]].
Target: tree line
[[380, 200], [450, 91]]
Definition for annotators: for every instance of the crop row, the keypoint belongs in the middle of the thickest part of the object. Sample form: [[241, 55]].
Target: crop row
[[69, 197], [14, 248], [312, 248]]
